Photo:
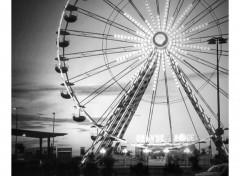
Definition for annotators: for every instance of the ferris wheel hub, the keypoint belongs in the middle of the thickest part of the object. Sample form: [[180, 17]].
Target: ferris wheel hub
[[160, 39]]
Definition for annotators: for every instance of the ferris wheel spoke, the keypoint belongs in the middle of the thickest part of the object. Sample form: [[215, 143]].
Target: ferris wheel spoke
[[177, 10], [125, 15], [183, 78], [95, 71], [210, 27], [100, 36], [189, 113], [219, 20], [168, 106], [202, 14], [202, 52], [130, 103], [108, 51], [166, 14], [141, 16], [154, 93], [205, 37], [114, 104], [204, 27], [150, 14], [193, 6], [198, 93], [200, 41], [204, 62], [201, 75], [107, 21], [118, 77], [158, 14]]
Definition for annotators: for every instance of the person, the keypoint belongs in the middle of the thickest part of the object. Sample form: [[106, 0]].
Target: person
[[203, 152]]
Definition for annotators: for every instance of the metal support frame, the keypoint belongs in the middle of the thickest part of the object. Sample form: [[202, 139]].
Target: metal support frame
[[203, 117], [128, 105]]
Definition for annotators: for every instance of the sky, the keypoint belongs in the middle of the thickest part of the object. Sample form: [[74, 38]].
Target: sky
[[36, 85]]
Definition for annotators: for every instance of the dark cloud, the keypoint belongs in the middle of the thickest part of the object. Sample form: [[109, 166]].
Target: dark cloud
[[32, 91], [25, 90], [26, 121], [90, 89], [80, 129]]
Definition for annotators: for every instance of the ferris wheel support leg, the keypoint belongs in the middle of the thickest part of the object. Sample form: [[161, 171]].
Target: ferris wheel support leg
[[206, 122]]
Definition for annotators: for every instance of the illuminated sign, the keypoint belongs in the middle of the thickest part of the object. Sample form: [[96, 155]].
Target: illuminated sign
[[154, 139]]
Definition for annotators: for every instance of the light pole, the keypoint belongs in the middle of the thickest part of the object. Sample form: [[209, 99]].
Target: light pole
[[102, 152], [125, 153], [219, 130], [146, 151], [53, 127], [217, 40], [166, 151], [187, 151], [16, 109], [53, 133]]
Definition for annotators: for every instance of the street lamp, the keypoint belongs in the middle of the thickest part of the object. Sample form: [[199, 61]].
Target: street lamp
[[166, 150], [16, 109], [103, 151], [53, 133], [146, 151], [187, 151], [219, 130], [218, 40], [53, 127], [125, 153]]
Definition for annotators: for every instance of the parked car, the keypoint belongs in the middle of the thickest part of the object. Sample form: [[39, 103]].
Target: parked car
[[216, 170]]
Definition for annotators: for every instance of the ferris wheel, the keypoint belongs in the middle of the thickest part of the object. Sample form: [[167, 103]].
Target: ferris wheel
[[126, 61]]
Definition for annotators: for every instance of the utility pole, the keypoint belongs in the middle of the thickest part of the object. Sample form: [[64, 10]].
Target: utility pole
[[16, 109], [219, 131], [53, 128]]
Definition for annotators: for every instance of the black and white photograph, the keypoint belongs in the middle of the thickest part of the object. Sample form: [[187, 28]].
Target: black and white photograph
[[120, 88]]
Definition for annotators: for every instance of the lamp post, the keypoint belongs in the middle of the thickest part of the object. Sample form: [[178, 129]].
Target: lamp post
[[187, 151], [102, 152], [166, 151], [53, 127], [146, 151], [16, 109], [219, 130], [125, 153], [53, 133], [217, 40]]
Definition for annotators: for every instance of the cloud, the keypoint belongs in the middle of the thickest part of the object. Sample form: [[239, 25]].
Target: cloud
[[29, 91], [26, 90], [81, 129], [26, 121]]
